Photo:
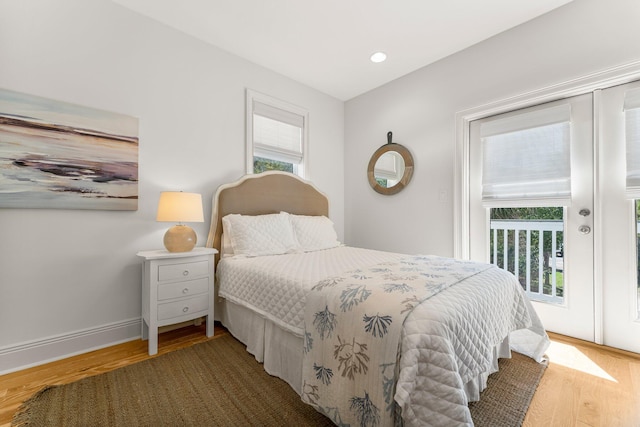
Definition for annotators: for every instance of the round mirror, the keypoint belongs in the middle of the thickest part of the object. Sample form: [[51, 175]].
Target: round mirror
[[390, 168]]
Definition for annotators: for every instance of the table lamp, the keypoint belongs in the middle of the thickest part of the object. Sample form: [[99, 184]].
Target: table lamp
[[176, 206]]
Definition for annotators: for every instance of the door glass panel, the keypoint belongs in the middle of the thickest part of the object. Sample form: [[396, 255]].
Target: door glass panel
[[529, 242]]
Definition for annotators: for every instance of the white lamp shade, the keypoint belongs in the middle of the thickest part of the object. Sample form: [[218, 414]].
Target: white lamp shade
[[176, 206]]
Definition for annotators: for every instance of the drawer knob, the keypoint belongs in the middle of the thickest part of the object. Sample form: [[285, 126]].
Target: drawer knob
[[185, 273], [184, 310], [185, 291]]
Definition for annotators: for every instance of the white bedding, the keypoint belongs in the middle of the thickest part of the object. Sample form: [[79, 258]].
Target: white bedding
[[276, 286], [433, 338], [444, 364]]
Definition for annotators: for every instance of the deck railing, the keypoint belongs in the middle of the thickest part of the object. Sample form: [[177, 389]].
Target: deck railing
[[532, 251]]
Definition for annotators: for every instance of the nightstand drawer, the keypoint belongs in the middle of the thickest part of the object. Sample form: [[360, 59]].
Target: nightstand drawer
[[183, 289], [183, 307], [182, 271]]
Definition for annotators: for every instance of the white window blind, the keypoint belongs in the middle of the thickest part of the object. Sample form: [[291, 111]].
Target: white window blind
[[277, 134], [526, 159], [632, 135]]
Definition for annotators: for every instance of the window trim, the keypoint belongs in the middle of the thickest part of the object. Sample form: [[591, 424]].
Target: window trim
[[254, 96]]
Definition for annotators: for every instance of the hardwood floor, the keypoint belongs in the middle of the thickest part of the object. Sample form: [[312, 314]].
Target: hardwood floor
[[585, 384]]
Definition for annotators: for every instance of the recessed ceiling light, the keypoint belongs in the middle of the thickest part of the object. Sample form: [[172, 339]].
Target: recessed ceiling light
[[378, 57]]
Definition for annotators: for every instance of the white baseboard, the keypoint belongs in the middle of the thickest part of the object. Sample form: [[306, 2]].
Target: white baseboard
[[28, 354]]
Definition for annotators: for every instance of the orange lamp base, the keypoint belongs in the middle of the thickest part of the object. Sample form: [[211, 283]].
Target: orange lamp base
[[180, 238]]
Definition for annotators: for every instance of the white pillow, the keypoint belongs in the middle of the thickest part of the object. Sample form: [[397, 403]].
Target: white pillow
[[259, 235], [314, 233]]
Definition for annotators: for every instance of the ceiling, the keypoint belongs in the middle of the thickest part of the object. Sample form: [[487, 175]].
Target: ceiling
[[326, 44]]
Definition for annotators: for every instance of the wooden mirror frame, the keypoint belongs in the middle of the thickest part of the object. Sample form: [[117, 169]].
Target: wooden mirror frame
[[408, 167]]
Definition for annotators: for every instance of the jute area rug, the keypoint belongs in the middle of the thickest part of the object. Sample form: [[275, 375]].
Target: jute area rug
[[217, 383]]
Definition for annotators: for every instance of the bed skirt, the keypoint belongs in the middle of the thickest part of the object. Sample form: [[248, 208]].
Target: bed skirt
[[280, 351]]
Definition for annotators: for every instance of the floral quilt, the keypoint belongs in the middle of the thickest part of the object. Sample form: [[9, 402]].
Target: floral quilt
[[352, 331]]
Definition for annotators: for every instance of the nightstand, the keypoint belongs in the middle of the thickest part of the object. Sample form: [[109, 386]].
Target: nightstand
[[176, 287]]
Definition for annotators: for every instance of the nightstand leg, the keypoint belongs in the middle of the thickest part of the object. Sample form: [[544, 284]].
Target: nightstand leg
[[153, 340], [209, 326]]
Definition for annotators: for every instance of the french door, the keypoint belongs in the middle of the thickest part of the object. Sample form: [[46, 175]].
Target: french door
[[585, 259], [553, 258], [618, 271]]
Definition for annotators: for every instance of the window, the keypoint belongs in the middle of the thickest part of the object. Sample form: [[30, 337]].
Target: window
[[276, 135], [529, 242], [526, 182]]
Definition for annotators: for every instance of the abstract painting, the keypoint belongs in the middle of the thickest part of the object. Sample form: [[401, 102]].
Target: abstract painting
[[65, 156]]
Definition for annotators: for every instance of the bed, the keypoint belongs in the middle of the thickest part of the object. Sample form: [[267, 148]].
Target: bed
[[289, 298]]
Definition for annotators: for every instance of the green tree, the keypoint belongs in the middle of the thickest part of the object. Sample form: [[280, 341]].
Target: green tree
[[261, 164], [527, 213]]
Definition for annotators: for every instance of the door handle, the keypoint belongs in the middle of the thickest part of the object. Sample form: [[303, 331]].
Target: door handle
[[584, 212], [584, 229]]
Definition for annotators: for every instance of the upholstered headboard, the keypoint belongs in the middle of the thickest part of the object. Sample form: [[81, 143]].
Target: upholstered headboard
[[264, 193]]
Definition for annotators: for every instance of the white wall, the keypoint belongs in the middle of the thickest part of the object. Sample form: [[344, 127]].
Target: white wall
[[580, 38], [67, 270]]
